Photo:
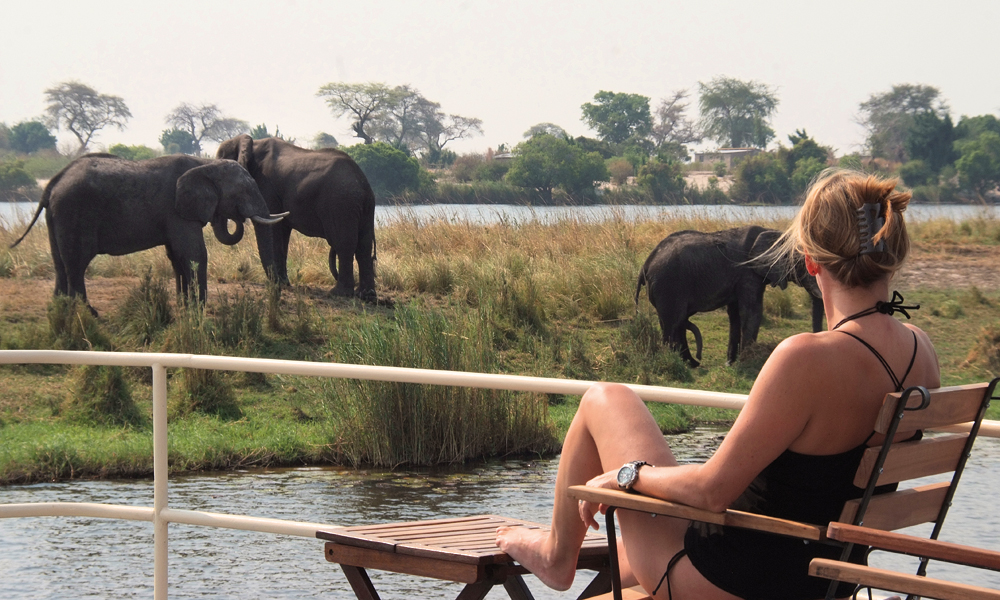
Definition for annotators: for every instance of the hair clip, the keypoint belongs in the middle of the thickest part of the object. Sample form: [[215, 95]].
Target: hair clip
[[870, 223]]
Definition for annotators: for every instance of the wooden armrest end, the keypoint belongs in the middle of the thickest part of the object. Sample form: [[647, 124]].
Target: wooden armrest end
[[898, 582], [914, 546], [733, 518]]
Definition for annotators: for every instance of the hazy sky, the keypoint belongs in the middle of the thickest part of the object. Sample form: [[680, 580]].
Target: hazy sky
[[511, 64]]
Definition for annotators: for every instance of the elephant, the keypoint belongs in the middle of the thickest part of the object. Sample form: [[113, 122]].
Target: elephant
[[693, 271], [327, 196], [104, 204]]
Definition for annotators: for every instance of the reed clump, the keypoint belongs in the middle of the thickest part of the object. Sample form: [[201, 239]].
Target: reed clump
[[145, 311], [199, 390]]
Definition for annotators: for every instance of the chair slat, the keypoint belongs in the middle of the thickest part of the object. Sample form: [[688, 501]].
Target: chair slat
[[949, 406], [898, 582], [900, 509], [910, 460], [915, 546]]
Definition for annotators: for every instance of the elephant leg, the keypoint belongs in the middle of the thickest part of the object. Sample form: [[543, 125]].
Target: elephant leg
[[62, 284], [365, 255], [178, 268], [188, 247], [733, 351], [282, 235], [342, 266], [680, 344], [751, 314]]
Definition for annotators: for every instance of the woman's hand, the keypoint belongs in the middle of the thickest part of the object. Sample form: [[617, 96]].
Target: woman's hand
[[607, 480]]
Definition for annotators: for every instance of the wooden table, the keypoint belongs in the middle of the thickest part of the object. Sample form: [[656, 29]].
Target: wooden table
[[461, 550]]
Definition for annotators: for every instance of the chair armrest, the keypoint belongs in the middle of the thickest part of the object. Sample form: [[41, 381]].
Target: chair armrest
[[914, 546], [732, 518], [898, 582]]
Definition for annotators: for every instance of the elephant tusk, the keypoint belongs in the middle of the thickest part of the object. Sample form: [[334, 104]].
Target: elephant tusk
[[270, 221]]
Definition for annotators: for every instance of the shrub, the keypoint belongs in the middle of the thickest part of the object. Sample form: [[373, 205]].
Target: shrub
[[200, 390], [72, 326], [133, 152], [464, 167], [15, 180], [761, 179], [239, 323], [145, 311], [28, 137], [101, 394], [389, 171], [665, 180], [620, 170]]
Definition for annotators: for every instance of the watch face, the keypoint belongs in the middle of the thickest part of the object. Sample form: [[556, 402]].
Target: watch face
[[626, 475]]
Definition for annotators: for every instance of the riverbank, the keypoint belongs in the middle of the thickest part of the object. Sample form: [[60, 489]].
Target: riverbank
[[546, 299]]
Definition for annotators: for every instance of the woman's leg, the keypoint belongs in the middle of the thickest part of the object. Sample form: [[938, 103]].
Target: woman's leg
[[611, 427]]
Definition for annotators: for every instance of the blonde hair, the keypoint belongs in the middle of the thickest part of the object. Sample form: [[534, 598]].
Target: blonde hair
[[826, 227]]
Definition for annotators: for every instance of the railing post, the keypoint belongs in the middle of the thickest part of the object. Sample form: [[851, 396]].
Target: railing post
[[160, 467]]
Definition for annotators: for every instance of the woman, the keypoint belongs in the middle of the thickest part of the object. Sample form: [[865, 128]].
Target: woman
[[795, 446]]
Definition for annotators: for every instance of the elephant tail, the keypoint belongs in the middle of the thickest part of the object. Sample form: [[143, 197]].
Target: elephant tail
[[43, 203], [638, 287], [697, 337]]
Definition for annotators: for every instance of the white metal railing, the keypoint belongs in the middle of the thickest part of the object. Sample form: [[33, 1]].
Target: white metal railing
[[161, 515]]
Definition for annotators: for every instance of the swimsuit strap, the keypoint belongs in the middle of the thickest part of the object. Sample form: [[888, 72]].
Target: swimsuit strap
[[888, 369]]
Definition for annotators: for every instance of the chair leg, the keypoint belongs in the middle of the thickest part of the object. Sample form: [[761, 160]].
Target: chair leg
[[616, 575]]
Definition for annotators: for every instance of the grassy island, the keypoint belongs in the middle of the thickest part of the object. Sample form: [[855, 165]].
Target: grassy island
[[528, 298]]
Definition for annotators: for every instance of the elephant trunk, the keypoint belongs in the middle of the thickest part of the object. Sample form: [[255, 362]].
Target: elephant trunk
[[220, 226]]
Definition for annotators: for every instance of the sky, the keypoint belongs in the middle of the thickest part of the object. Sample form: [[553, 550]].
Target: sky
[[512, 64]]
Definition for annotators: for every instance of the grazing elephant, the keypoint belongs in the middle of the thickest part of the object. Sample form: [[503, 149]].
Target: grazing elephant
[[327, 196], [103, 204], [691, 271]]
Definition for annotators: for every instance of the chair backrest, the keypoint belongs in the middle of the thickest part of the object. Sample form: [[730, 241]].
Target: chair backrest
[[903, 414]]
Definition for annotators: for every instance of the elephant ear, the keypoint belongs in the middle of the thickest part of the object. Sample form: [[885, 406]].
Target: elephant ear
[[773, 274], [197, 195], [246, 157]]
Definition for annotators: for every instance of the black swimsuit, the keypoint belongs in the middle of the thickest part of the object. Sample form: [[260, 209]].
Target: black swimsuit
[[801, 487]]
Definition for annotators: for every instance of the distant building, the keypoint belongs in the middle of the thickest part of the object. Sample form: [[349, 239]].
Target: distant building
[[730, 156]]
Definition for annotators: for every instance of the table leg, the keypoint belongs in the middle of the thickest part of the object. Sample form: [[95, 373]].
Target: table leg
[[517, 589], [475, 591], [360, 583]]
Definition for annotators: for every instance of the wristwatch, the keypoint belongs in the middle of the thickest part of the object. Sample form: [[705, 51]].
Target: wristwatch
[[629, 474]]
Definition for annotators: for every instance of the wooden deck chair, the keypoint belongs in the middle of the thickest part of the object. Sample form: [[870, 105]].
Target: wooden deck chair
[[881, 579], [958, 409]]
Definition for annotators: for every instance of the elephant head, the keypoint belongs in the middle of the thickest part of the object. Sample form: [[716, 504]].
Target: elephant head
[[772, 274], [223, 191]]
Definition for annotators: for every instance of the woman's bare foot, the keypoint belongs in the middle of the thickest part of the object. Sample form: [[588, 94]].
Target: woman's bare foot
[[532, 548]]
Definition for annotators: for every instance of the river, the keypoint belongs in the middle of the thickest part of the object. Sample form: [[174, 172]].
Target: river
[[14, 213], [58, 558]]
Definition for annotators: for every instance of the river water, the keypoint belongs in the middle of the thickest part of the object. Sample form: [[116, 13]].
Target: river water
[[59, 558], [21, 212]]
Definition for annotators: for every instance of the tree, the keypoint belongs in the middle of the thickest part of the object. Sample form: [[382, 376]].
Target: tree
[[737, 113], [4, 136], [979, 165], [617, 117], [400, 122], [761, 178], [84, 112], [205, 122], [362, 100], [389, 170], [672, 129], [31, 136], [438, 129], [888, 117], [545, 162], [324, 140], [549, 128], [132, 152], [931, 139], [663, 179], [177, 141], [969, 128]]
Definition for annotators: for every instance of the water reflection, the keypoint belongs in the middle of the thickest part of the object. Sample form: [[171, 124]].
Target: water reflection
[[53, 558]]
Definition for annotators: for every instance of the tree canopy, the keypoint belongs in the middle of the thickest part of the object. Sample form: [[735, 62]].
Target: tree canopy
[[737, 113], [30, 136], [672, 129], [388, 169], [177, 141], [205, 122], [545, 162], [618, 117], [83, 111], [888, 117], [979, 165]]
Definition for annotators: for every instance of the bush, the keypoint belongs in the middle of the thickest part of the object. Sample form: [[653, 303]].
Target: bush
[[239, 324], [389, 171], [15, 180], [664, 180], [145, 311], [101, 394], [200, 390], [133, 152], [916, 172], [464, 167], [72, 326], [620, 170], [28, 137], [761, 179]]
